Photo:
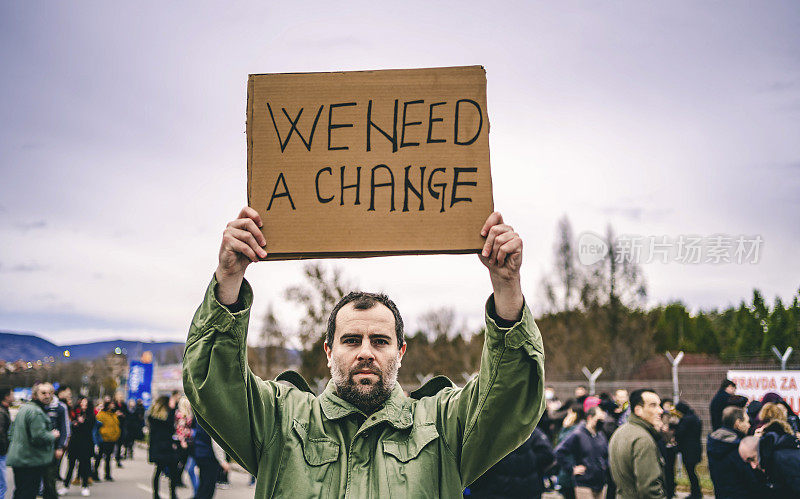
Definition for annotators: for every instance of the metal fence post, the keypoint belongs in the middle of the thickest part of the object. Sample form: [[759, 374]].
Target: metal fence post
[[783, 358], [592, 377], [675, 361]]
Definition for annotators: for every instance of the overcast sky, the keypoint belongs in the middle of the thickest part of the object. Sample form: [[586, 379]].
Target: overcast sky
[[122, 146]]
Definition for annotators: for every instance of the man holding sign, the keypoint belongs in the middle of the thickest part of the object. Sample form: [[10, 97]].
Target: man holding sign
[[363, 437]]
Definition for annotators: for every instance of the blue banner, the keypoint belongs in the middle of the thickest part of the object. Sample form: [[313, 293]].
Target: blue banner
[[140, 382]]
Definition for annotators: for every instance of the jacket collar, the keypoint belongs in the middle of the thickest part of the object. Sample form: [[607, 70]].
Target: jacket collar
[[396, 411], [636, 420]]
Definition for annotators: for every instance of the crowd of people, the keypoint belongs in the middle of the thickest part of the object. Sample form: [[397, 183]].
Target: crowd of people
[[620, 445], [56, 436], [627, 445]]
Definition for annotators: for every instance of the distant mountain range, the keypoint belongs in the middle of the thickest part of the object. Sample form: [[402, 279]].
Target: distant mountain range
[[29, 347]]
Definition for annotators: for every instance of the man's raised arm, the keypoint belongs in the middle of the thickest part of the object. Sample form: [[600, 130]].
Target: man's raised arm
[[498, 409], [235, 406]]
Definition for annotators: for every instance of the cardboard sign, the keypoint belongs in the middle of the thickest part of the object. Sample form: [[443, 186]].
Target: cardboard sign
[[755, 384], [369, 163]]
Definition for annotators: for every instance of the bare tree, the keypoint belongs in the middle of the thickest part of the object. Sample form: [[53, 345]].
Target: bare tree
[[320, 292], [441, 323]]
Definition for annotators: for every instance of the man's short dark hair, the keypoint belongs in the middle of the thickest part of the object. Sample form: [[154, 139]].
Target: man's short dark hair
[[4, 392], [637, 399], [726, 383], [362, 300], [61, 389], [730, 415]]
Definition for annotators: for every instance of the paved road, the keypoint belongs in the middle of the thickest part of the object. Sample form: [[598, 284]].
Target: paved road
[[134, 482]]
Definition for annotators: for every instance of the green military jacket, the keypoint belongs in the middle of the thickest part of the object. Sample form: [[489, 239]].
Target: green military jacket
[[300, 445], [31, 443], [635, 461]]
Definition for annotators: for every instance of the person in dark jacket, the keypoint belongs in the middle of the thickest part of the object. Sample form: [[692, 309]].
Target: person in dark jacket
[[6, 397], [688, 436], [778, 454], [720, 402], [520, 474], [162, 451], [565, 481], [587, 447], [81, 444], [753, 408], [210, 460], [732, 477]]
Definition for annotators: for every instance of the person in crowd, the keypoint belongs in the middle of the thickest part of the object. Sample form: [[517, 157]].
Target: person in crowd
[[772, 412], [364, 346], [520, 474], [668, 445], [64, 396], [777, 454], [608, 427], [97, 441], [121, 410], [565, 480], [32, 441], [753, 409], [132, 431], [550, 421], [587, 448], [81, 444], [210, 460], [109, 433], [622, 412], [634, 456], [688, 435], [790, 417], [162, 452], [720, 402], [58, 413], [732, 477], [184, 422], [6, 398]]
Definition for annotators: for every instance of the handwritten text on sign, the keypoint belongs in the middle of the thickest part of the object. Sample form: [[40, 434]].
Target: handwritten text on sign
[[372, 162]]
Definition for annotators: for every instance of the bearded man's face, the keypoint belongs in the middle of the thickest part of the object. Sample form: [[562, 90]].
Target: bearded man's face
[[365, 357]]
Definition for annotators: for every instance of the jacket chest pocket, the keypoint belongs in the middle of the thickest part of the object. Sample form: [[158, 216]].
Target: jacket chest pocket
[[413, 463], [309, 466]]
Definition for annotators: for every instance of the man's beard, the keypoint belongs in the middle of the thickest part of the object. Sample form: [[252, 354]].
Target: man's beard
[[366, 396]]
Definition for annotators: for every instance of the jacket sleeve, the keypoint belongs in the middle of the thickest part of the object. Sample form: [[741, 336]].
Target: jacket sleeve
[[497, 410], [63, 423], [234, 406], [647, 469], [40, 431]]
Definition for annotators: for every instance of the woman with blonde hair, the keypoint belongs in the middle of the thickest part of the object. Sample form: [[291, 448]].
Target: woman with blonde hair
[[184, 424], [162, 451], [774, 415]]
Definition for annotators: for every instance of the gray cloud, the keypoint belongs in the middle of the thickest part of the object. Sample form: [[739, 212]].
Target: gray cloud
[[23, 268], [27, 226]]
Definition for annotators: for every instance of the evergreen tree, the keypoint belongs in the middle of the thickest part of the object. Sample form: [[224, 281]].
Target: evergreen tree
[[779, 328], [704, 335], [747, 331]]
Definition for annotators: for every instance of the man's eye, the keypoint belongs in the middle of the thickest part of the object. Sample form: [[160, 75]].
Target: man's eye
[[350, 340], [382, 341]]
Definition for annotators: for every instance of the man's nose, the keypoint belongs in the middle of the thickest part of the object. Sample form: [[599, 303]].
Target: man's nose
[[365, 352]]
